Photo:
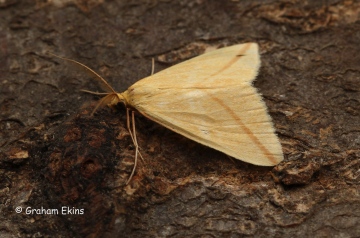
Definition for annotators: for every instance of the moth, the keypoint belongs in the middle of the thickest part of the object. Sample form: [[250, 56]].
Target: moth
[[209, 99]]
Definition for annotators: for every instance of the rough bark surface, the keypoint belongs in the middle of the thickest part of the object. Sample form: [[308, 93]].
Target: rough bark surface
[[53, 154]]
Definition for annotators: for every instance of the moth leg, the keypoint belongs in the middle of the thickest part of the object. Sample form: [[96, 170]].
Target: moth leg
[[136, 148], [134, 133], [231, 159], [103, 102], [133, 137], [152, 66]]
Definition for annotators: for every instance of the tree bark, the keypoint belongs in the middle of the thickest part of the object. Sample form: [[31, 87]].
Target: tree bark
[[63, 171]]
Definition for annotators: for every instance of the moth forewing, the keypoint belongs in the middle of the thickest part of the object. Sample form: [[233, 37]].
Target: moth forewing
[[210, 99]]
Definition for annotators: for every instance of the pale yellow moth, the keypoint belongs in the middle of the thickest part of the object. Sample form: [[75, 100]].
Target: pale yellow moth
[[209, 99]]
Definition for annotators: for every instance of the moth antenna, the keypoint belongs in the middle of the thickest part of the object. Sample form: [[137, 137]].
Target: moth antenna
[[91, 92], [87, 68]]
